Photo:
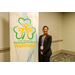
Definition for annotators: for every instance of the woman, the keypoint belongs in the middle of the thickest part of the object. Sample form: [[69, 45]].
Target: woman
[[45, 41]]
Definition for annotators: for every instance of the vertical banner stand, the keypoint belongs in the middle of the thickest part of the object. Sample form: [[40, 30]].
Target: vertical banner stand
[[23, 36]]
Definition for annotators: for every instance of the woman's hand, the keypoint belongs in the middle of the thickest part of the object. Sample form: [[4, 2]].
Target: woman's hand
[[41, 53]]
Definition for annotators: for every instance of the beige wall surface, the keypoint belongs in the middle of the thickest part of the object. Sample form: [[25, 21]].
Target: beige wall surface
[[5, 56], [4, 30], [54, 21], [68, 31], [60, 32], [4, 37]]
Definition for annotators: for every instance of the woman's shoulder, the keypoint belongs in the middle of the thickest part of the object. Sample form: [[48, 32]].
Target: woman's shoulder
[[49, 35], [40, 35]]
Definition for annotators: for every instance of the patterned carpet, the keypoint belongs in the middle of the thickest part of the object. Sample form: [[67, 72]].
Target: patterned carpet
[[63, 57]]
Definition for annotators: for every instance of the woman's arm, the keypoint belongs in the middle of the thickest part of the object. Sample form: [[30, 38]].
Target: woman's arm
[[49, 41], [39, 44]]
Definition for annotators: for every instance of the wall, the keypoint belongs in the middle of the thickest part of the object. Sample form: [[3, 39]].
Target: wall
[[60, 32], [4, 37], [68, 31], [54, 21]]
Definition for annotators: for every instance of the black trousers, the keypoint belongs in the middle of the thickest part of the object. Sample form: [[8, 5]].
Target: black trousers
[[43, 58]]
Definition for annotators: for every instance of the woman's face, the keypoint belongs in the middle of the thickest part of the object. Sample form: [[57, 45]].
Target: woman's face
[[45, 30]]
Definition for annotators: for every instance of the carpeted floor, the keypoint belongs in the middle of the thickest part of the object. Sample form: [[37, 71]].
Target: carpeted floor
[[63, 57]]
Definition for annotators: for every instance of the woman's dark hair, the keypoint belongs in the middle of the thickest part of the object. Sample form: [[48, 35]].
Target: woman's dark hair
[[44, 27]]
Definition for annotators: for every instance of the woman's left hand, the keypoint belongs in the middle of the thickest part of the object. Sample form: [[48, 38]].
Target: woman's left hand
[[41, 53]]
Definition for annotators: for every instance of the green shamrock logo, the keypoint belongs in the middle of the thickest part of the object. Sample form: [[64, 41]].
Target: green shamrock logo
[[25, 28]]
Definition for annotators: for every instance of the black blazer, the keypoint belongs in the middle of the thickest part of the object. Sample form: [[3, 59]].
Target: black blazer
[[47, 45]]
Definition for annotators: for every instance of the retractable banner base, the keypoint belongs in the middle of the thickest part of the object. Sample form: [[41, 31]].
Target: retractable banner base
[[23, 36]]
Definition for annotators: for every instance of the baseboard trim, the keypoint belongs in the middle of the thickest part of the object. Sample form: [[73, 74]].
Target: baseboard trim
[[57, 52], [67, 51], [63, 51]]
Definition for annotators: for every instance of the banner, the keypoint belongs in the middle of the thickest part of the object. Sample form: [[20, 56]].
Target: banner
[[23, 36]]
